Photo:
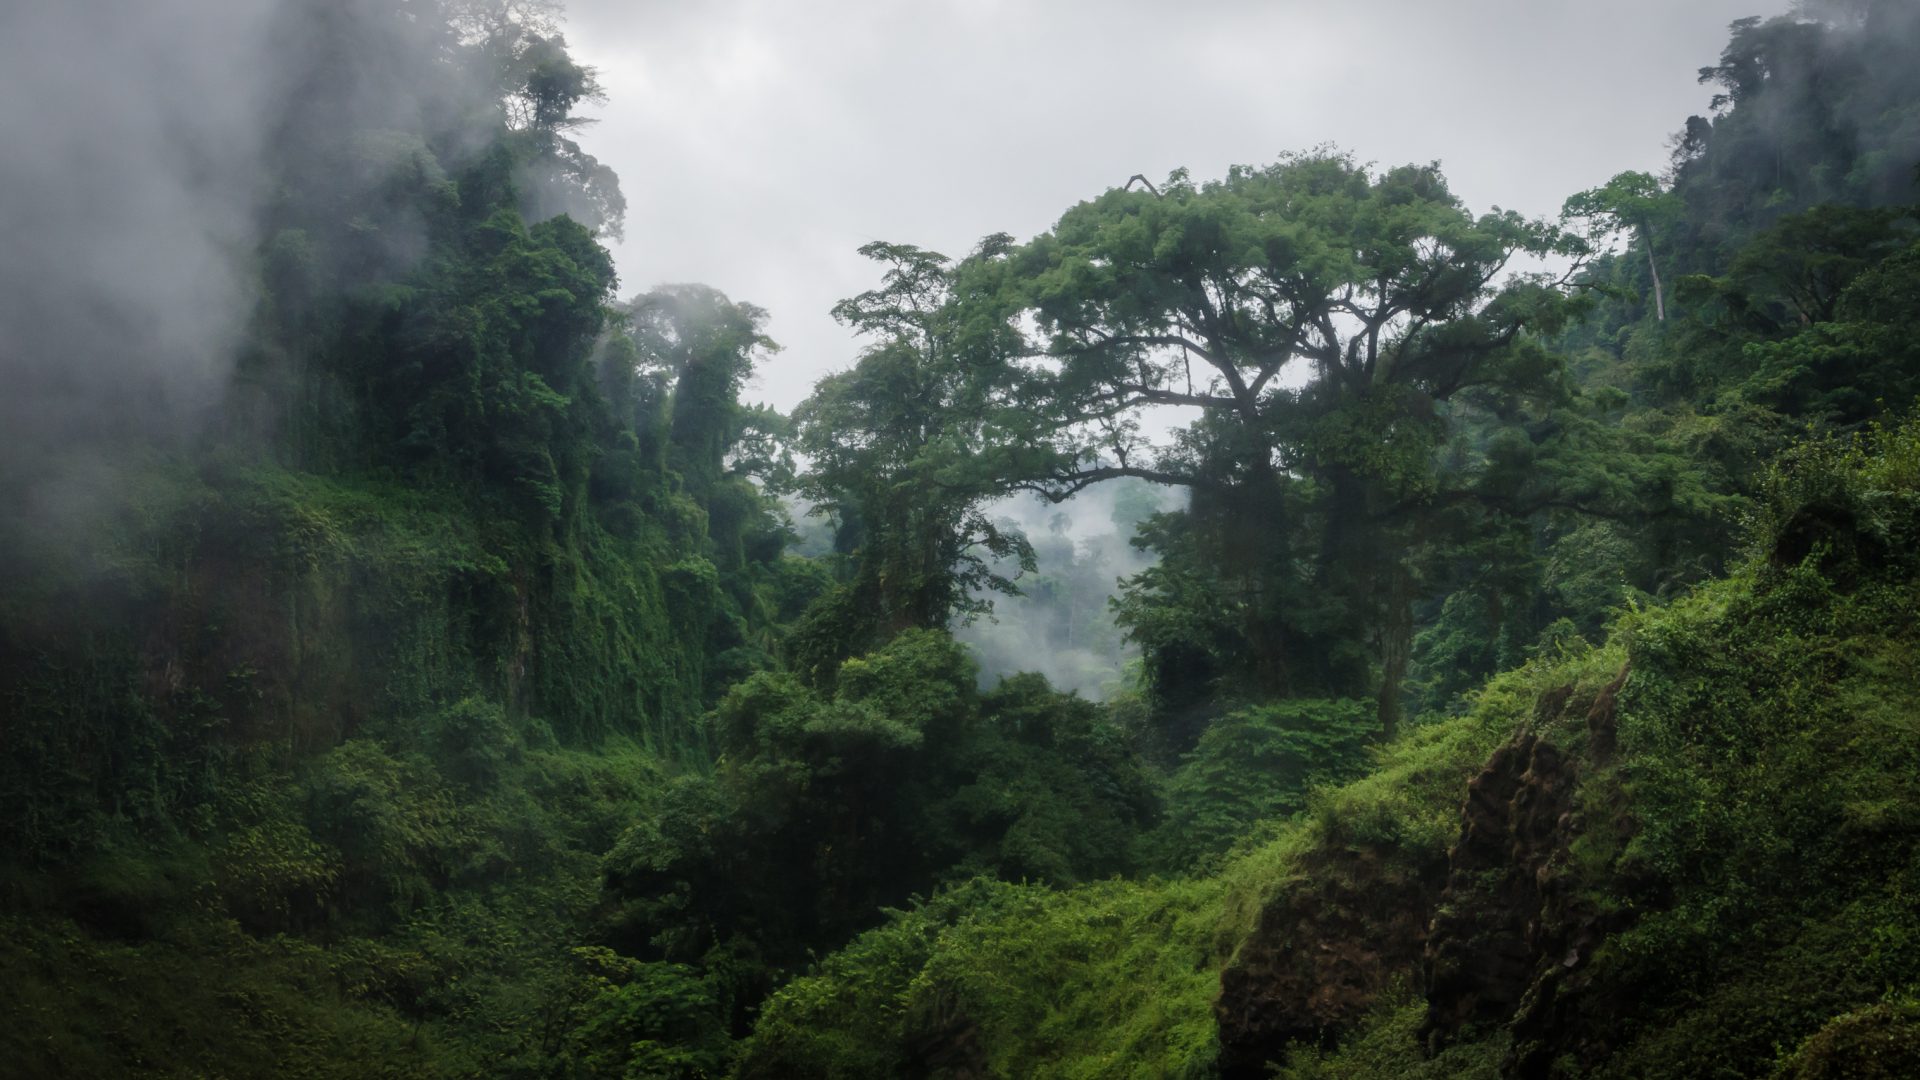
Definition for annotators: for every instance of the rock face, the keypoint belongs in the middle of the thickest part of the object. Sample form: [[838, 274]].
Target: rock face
[[1488, 938], [1498, 930], [1321, 953], [1513, 929]]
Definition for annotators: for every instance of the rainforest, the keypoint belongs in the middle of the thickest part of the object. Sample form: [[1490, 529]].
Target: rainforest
[[1281, 621]]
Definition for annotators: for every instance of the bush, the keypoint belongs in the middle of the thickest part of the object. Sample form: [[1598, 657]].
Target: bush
[[1254, 765]]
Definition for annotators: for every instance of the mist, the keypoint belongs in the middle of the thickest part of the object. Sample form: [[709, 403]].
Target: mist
[[135, 135], [177, 171], [1062, 623]]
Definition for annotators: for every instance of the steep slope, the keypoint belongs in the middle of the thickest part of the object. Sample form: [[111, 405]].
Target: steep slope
[[1690, 852]]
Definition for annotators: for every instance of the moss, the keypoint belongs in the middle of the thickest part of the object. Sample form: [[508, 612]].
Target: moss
[[1389, 1045], [1747, 832], [1115, 978], [1880, 1042]]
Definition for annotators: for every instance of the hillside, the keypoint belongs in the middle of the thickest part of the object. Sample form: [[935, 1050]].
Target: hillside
[[420, 658]]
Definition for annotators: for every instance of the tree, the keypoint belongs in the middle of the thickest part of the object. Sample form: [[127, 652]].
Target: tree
[[1329, 324], [675, 374], [905, 449], [827, 806], [708, 346], [516, 45], [1812, 108], [1632, 202], [1851, 370], [1804, 262]]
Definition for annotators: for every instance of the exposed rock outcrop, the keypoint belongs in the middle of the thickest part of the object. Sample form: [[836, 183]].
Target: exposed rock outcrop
[[1497, 930], [1514, 927], [1487, 937], [1321, 954]]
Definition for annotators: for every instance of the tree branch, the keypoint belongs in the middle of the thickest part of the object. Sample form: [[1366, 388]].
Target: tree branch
[[1060, 488], [1153, 396]]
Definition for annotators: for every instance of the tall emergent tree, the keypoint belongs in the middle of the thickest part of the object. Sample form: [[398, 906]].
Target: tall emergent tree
[[1631, 202], [1335, 328], [905, 449]]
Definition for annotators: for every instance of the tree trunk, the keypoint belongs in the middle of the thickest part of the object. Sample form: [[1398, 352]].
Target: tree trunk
[[1659, 294], [1250, 554]]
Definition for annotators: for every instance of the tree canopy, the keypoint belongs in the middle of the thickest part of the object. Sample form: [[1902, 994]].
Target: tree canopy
[[1332, 326]]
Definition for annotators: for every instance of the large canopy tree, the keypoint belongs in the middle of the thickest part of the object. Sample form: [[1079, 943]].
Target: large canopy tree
[[1332, 326], [905, 449]]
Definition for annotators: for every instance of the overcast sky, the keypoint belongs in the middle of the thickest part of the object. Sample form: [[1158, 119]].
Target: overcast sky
[[760, 142]]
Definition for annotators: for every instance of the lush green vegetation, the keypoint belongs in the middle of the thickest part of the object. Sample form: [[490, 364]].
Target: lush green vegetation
[[1528, 681]]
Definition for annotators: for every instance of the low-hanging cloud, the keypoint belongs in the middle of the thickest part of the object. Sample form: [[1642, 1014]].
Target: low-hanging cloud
[[152, 146], [1062, 625], [134, 134]]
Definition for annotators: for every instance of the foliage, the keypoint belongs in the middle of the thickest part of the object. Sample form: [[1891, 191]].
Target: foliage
[[1390, 1046], [1256, 765], [455, 705], [1116, 978], [1107, 980], [905, 448], [1363, 379], [318, 726], [1056, 790], [1878, 1041], [824, 808], [1760, 846]]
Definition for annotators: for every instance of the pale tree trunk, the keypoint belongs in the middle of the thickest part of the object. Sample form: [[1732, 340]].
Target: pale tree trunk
[[1659, 296]]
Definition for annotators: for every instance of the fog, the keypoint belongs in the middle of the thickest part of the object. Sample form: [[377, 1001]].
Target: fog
[[134, 136], [145, 149], [1062, 625], [156, 152]]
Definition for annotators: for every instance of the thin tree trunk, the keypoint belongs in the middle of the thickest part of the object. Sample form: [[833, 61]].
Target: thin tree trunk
[[1659, 295]]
